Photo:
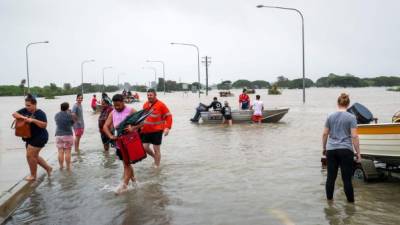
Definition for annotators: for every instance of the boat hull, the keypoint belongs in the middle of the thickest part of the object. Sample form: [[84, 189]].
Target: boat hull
[[270, 116], [380, 142]]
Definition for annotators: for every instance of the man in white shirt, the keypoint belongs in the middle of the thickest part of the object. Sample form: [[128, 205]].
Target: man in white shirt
[[258, 108]]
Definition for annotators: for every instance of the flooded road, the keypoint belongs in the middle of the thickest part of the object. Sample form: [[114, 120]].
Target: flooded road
[[213, 174]]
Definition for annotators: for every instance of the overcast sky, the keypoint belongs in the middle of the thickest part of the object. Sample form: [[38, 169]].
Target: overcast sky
[[360, 37]]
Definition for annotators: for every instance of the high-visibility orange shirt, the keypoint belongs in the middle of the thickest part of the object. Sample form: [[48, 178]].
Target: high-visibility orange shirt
[[159, 119]]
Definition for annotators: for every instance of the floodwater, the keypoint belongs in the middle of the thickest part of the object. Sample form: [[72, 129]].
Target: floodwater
[[213, 174]]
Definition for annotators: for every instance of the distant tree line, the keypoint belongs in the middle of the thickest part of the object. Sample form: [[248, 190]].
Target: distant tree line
[[51, 90], [332, 80]]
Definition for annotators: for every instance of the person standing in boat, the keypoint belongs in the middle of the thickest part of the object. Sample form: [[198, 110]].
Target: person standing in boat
[[338, 140], [258, 108], [226, 114], [244, 100], [79, 125], [120, 112], [39, 136], [155, 126]]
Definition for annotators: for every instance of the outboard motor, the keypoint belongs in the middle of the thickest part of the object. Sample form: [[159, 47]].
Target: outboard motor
[[199, 109], [363, 115]]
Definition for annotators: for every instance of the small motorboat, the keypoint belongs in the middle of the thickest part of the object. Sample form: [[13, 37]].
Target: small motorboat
[[251, 91], [130, 100], [269, 116], [225, 94], [379, 145]]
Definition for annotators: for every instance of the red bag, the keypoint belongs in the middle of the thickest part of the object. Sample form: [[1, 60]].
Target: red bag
[[131, 147]]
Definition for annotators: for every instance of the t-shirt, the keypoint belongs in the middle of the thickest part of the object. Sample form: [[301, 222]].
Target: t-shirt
[[64, 123], [258, 107], [340, 125], [94, 103], [77, 109], [244, 98], [226, 111], [216, 105], [36, 132]]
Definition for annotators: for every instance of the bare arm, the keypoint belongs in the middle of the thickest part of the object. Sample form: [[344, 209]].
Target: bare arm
[[356, 142], [19, 116], [107, 125], [325, 135]]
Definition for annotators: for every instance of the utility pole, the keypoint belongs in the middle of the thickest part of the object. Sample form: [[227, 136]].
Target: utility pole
[[207, 62]]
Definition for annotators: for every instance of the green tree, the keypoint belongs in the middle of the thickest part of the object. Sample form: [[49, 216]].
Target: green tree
[[242, 84], [260, 84], [224, 85], [298, 83]]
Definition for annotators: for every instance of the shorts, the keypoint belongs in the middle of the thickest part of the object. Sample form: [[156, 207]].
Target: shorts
[[154, 138], [245, 105], [228, 117], [256, 118], [79, 132], [64, 142], [36, 142], [105, 139]]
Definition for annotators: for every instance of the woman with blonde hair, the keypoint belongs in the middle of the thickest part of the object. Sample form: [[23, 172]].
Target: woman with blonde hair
[[338, 140]]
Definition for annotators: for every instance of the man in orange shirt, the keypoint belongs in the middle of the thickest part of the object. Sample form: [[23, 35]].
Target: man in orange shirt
[[155, 126]]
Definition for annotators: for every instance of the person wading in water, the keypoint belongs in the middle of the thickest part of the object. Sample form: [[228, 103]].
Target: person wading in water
[[39, 135], [119, 113], [155, 126], [339, 137], [79, 125]]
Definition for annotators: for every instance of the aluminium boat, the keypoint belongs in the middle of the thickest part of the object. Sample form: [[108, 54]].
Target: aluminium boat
[[269, 116]]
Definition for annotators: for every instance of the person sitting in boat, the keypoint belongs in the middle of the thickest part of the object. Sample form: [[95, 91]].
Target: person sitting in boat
[[136, 96], [226, 113], [244, 100], [215, 105]]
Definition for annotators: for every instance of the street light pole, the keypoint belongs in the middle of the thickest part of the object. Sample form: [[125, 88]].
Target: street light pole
[[302, 34], [27, 60], [198, 60], [104, 68], [83, 62], [155, 72], [163, 67]]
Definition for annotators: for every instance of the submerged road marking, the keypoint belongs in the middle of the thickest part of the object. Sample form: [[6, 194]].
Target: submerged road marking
[[282, 216]]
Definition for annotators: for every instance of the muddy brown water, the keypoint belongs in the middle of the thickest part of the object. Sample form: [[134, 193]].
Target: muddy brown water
[[213, 174]]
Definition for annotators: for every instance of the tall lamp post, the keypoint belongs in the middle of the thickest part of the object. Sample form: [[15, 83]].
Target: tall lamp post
[[198, 60], [155, 72], [302, 32], [27, 60], [104, 68], [163, 68], [83, 62]]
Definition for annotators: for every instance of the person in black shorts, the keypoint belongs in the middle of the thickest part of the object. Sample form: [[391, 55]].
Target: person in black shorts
[[39, 136], [227, 114]]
